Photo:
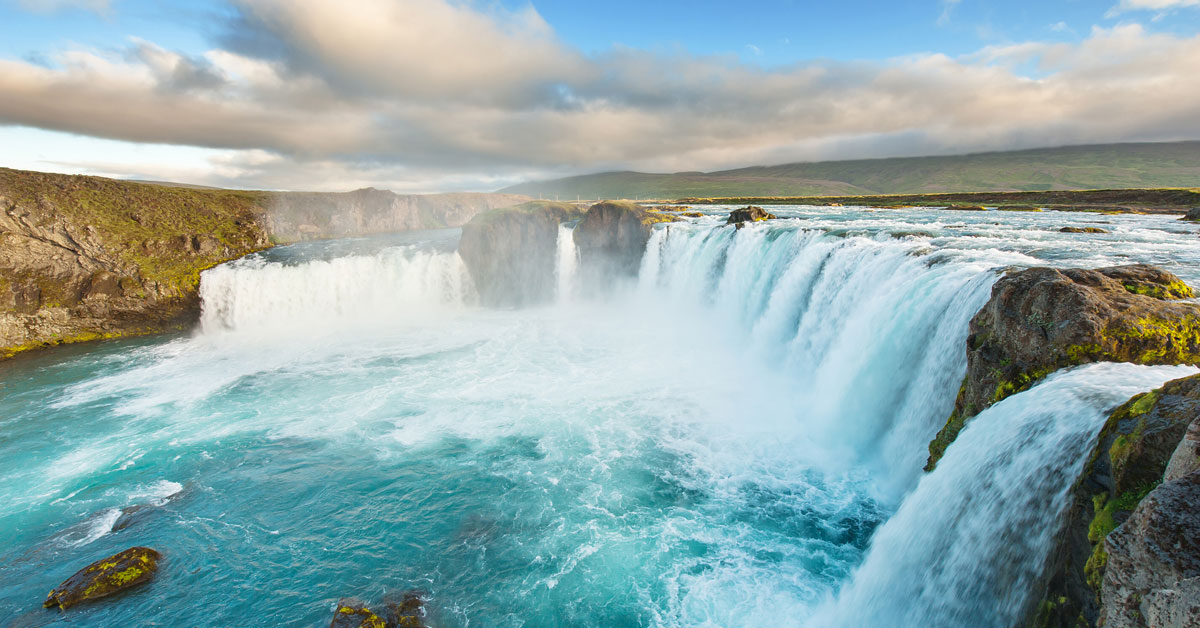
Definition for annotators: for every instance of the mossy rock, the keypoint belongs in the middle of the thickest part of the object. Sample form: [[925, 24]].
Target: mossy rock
[[1127, 463], [965, 208], [1019, 208], [1083, 230], [1042, 319], [120, 572], [749, 214], [352, 613]]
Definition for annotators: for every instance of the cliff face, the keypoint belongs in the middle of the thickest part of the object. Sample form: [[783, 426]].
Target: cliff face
[[294, 216], [612, 239], [1042, 319], [83, 258], [511, 252], [1131, 458]]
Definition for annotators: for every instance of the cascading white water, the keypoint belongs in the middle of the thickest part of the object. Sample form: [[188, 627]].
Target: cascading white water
[[253, 294], [566, 262], [870, 331], [966, 546]]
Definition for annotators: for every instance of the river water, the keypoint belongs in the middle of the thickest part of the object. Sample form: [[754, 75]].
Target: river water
[[732, 438]]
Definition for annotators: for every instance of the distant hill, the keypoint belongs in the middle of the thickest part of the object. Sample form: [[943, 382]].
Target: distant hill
[[1147, 165]]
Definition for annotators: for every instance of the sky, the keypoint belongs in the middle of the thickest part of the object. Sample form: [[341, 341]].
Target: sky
[[450, 95]]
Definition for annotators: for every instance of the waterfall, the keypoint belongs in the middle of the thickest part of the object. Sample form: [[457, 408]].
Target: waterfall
[[566, 262], [254, 294], [870, 331], [966, 547]]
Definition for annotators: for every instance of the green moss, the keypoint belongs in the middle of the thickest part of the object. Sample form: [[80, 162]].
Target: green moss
[[1171, 291], [1158, 341]]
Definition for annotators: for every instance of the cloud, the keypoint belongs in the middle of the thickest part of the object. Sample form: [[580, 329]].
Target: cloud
[[1159, 6], [947, 9], [50, 6], [426, 95]]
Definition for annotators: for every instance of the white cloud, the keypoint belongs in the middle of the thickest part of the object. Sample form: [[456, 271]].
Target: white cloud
[[1159, 6], [947, 9], [50, 6], [443, 95]]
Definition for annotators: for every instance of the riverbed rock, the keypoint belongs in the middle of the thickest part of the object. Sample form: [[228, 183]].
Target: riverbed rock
[[611, 239], [120, 572], [1083, 230], [1193, 214], [748, 214], [1039, 320], [1186, 457], [1128, 460], [511, 252], [353, 613], [1153, 574], [966, 208], [405, 610]]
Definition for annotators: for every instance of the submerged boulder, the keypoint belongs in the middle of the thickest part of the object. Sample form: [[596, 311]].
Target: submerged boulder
[[133, 567], [1131, 454], [511, 252], [1042, 319], [748, 214], [612, 238], [1083, 230], [353, 613], [1153, 574], [405, 610]]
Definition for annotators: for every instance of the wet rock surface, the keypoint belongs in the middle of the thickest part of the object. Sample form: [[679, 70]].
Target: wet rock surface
[[1193, 214], [1042, 319], [1153, 573], [748, 214], [611, 239], [1132, 452], [108, 576], [1083, 230], [511, 252], [401, 610]]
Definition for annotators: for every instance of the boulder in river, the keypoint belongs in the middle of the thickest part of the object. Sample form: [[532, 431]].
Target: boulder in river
[[1193, 214], [1083, 230], [748, 214], [353, 613], [1039, 320], [133, 567]]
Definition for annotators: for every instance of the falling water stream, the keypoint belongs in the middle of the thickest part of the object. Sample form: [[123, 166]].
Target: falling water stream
[[732, 438]]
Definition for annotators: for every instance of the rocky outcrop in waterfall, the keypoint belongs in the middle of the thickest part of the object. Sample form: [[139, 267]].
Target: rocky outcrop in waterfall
[[612, 238], [748, 214], [1042, 319], [1131, 457], [1153, 574], [83, 258], [511, 252]]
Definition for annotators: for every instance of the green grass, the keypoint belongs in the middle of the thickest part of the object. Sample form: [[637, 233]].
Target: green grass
[[1112, 166]]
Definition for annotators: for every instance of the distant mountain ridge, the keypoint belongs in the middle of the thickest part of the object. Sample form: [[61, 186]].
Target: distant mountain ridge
[[1109, 166]]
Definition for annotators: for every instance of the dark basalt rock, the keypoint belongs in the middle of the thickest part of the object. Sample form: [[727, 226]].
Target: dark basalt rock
[[1129, 460], [611, 239], [1153, 574], [511, 252], [1083, 230], [748, 214], [133, 567], [1193, 214], [406, 610], [1042, 319]]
